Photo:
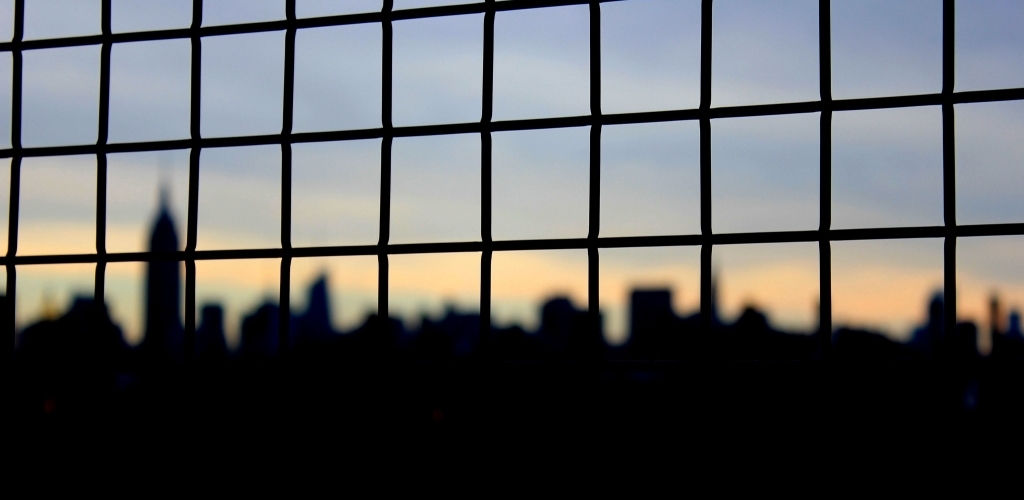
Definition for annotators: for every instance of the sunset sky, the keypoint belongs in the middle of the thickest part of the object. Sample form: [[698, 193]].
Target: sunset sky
[[887, 164]]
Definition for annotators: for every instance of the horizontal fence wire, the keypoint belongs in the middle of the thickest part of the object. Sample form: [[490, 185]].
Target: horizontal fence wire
[[859, 104], [303, 23], [704, 114], [808, 236]]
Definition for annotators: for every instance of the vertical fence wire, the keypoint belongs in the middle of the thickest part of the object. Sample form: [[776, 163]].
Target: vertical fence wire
[[12, 224], [486, 112], [287, 115], [593, 256], [385, 166], [825, 178], [103, 129], [195, 134], [948, 168], [706, 285]]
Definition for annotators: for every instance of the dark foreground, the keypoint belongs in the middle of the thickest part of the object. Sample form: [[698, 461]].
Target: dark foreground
[[306, 410], [739, 392]]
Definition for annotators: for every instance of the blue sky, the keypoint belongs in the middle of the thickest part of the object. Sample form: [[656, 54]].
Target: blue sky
[[886, 164]]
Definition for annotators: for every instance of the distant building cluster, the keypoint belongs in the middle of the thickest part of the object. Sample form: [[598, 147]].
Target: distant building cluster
[[565, 332], [83, 349]]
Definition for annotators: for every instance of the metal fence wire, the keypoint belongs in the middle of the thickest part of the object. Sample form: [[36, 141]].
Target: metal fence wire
[[704, 114]]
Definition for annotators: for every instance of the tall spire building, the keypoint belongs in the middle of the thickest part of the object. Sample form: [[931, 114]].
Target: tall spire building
[[164, 331]]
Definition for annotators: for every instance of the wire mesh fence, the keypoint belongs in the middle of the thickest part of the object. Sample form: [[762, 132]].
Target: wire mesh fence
[[705, 114]]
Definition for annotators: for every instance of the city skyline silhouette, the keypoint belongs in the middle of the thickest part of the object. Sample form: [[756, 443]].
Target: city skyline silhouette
[[269, 232], [75, 368], [656, 330]]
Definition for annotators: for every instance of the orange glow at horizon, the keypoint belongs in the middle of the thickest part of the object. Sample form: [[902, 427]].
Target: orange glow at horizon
[[873, 288]]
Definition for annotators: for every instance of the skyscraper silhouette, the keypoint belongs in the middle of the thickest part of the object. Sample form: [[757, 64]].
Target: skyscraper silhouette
[[164, 332], [314, 325]]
